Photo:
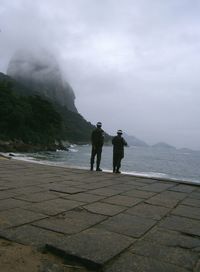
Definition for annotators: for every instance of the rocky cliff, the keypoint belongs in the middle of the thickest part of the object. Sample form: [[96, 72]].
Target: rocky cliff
[[40, 73]]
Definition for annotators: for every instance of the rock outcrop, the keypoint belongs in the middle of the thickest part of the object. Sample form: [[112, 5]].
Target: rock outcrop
[[40, 73]]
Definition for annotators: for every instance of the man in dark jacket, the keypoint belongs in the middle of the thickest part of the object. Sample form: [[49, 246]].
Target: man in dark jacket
[[97, 139], [118, 151]]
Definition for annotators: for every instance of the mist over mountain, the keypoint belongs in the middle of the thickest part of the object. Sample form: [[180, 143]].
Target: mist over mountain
[[43, 115], [40, 73], [133, 141], [163, 145]]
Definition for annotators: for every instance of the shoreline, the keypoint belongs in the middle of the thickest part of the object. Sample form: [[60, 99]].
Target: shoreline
[[132, 174]]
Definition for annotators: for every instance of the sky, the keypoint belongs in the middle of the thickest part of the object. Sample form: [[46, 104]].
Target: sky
[[133, 65]]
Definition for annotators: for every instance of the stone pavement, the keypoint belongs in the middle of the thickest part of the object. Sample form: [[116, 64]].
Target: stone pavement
[[108, 222]]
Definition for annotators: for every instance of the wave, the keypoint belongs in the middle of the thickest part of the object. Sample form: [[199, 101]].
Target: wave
[[73, 150], [162, 176], [149, 175]]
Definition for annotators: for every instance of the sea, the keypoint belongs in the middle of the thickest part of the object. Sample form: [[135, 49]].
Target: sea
[[161, 163]]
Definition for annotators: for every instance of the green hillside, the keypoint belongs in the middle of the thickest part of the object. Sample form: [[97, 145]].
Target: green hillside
[[31, 123]]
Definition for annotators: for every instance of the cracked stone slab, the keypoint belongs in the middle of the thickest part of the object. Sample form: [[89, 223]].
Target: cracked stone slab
[[71, 222], [94, 247], [104, 208], [131, 225], [186, 211], [167, 199], [84, 197], [175, 255], [18, 216], [173, 239], [54, 206], [65, 189], [105, 192], [30, 235], [122, 200], [191, 202], [37, 197], [6, 194], [182, 224], [129, 262], [148, 211]]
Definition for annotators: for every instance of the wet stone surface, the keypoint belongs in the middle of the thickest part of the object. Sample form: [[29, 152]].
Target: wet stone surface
[[101, 220]]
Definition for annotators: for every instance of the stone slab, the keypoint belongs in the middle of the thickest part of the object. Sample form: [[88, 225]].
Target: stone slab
[[184, 188], [54, 206], [157, 187], [28, 190], [105, 192], [65, 189], [6, 194], [187, 211], [130, 225], [197, 268], [191, 202], [195, 195], [148, 211], [30, 235], [123, 187], [139, 194], [173, 239], [16, 217], [71, 222], [104, 208], [84, 197], [122, 200], [37, 197], [129, 262], [94, 247], [167, 199], [11, 203], [174, 255], [181, 224]]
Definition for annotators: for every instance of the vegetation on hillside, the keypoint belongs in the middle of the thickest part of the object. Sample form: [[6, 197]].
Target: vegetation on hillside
[[31, 120], [27, 118]]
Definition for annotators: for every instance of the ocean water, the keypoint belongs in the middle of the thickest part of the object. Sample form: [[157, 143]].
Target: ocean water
[[140, 161]]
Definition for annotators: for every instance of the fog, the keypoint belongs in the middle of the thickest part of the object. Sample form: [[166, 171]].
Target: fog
[[133, 65]]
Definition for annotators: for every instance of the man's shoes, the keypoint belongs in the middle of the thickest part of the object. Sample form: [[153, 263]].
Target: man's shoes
[[91, 169], [99, 169], [118, 172]]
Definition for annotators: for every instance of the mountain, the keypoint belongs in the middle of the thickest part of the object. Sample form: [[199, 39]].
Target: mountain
[[40, 73], [26, 122], [30, 120], [133, 141], [163, 145]]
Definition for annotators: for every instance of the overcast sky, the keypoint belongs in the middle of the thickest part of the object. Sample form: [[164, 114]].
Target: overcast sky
[[134, 65]]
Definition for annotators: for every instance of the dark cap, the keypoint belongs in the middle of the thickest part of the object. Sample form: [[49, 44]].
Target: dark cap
[[99, 124]]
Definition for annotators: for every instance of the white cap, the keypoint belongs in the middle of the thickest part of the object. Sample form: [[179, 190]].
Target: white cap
[[119, 131]]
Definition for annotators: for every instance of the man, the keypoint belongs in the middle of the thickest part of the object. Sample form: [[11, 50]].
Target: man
[[97, 139], [118, 151]]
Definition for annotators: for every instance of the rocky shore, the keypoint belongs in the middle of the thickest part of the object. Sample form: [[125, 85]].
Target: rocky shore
[[19, 146]]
